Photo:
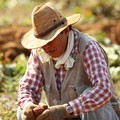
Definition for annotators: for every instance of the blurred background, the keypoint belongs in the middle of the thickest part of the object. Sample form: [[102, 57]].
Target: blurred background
[[99, 18]]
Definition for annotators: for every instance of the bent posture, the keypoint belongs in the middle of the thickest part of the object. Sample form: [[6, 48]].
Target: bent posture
[[70, 66]]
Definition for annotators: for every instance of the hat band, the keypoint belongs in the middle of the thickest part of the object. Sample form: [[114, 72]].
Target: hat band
[[51, 28]]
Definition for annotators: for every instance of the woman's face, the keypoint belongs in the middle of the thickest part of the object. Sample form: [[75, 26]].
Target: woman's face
[[58, 46]]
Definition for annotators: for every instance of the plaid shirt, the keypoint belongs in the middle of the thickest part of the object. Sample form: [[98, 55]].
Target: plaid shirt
[[31, 84]]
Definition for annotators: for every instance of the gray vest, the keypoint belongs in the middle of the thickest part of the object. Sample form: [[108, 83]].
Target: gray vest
[[75, 81]]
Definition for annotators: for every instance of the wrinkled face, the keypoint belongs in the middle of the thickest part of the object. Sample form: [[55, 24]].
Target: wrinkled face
[[58, 46]]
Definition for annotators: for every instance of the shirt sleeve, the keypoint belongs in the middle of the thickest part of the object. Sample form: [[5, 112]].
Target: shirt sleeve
[[97, 71], [30, 86]]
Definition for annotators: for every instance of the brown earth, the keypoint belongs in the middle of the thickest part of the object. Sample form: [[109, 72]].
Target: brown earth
[[10, 44], [10, 37]]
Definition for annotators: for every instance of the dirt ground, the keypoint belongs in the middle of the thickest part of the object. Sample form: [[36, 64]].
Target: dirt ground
[[10, 37]]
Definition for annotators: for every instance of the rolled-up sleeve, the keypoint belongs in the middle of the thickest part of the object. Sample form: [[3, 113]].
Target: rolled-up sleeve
[[97, 70], [30, 86]]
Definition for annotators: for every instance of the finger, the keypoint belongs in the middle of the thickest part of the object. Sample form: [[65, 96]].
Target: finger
[[26, 118], [43, 117], [29, 113], [32, 107], [25, 113]]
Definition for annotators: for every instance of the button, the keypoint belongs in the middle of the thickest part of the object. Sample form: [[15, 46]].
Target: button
[[55, 102]]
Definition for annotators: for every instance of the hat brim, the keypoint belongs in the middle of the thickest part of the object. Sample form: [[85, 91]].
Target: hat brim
[[29, 41]]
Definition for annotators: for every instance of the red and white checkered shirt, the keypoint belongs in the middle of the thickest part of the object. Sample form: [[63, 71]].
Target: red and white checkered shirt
[[31, 84]]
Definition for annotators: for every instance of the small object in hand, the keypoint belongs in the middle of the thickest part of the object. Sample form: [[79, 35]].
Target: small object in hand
[[39, 110]]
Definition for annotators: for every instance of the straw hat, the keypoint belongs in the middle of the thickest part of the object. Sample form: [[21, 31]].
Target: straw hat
[[47, 23]]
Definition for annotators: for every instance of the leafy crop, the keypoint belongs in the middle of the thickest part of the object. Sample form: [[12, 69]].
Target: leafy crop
[[10, 75]]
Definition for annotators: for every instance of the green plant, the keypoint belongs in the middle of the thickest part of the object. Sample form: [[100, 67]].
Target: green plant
[[11, 73]]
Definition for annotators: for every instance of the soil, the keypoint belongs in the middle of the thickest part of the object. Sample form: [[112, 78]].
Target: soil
[[10, 42], [10, 37]]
